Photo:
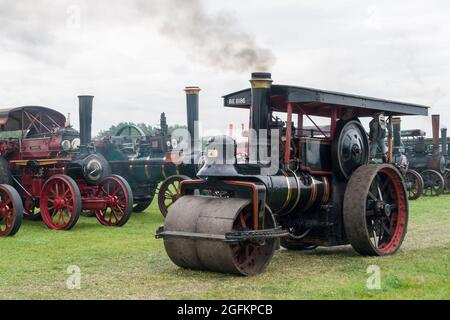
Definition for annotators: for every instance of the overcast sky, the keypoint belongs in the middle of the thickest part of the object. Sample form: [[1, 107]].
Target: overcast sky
[[136, 56]]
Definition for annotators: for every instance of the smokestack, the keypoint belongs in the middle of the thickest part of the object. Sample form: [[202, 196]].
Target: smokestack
[[192, 106], [163, 124], [396, 124], [435, 121], [85, 122], [260, 110], [444, 141]]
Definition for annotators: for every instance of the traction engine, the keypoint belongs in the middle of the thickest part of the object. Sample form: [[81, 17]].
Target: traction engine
[[301, 188], [49, 171], [148, 160], [429, 157]]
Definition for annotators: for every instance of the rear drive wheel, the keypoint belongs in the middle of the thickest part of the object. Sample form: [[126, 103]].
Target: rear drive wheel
[[376, 210], [60, 202], [434, 183], [11, 211], [414, 184]]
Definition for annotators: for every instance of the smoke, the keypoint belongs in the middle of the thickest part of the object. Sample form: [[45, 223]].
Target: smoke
[[213, 39], [33, 28]]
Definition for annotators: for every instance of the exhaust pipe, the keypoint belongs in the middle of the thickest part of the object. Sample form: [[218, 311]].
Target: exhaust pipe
[[444, 141], [163, 124], [85, 110], [260, 110], [435, 118], [396, 124], [192, 107]]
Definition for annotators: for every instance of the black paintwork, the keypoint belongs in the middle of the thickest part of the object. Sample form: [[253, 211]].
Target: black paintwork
[[365, 106]]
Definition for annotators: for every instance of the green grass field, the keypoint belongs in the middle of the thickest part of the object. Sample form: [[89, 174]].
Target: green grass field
[[128, 263]]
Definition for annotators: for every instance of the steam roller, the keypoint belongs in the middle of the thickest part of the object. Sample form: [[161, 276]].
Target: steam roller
[[301, 187], [210, 219]]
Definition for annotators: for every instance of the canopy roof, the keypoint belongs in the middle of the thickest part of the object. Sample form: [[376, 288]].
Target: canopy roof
[[317, 102], [30, 117]]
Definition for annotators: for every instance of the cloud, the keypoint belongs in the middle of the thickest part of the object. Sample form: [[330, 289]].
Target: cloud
[[136, 56]]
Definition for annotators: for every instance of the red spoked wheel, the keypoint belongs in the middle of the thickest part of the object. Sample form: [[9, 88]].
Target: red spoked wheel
[[251, 258], [11, 211], [60, 202], [376, 210], [119, 201]]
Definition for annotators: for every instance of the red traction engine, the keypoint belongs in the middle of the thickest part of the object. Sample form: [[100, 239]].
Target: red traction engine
[[49, 171], [301, 188]]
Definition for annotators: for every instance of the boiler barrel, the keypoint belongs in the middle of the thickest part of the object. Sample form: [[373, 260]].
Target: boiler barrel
[[290, 193]]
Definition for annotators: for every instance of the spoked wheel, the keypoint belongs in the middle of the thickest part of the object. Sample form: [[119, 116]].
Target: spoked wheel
[[216, 216], [434, 183], [250, 258], [60, 202], [169, 192], [119, 201], [414, 184], [11, 211], [376, 210]]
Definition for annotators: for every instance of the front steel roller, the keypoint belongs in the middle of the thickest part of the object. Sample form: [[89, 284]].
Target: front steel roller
[[211, 218], [376, 210]]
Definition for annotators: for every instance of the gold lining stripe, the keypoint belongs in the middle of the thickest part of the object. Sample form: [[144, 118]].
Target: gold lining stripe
[[289, 193], [146, 171], [177, 170], [313, 195], [42, 162], [299, 191], [163, 171], [326, 190]]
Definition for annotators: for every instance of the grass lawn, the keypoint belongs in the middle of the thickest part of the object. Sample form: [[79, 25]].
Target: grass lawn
[[128, 263]]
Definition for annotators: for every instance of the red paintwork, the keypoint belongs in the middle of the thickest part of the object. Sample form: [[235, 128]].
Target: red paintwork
[[400, 216], [44, 147]]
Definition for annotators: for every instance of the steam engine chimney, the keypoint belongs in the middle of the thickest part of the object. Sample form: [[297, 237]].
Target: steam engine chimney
[[444, 141], [163, 124], [435, 121], [192, 105], [396, 123], [260, 110], [85, 122]]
